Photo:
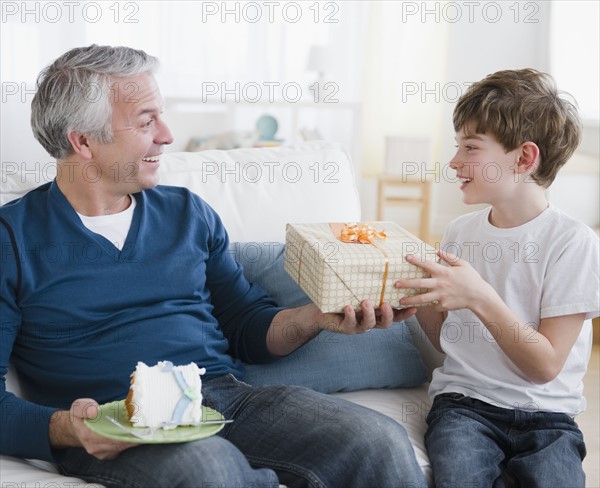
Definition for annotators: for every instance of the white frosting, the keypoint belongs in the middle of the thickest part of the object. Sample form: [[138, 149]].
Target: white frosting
[[156, 393]]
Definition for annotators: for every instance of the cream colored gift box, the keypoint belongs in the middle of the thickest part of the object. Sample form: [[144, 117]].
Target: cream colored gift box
[[334, 273]]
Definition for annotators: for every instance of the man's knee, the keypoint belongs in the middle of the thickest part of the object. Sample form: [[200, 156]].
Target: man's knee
[[211, 463]]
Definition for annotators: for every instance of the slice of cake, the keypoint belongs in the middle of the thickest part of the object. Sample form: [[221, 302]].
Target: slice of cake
[[165, 395]]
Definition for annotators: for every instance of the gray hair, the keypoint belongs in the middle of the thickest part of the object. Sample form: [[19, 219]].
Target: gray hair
[[73, 94]]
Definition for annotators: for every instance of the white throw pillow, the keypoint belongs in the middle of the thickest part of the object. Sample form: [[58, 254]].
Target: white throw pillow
[[17, 178], [256, 191]]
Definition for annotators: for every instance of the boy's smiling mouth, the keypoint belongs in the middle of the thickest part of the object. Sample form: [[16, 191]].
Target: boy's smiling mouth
[[464, 181]]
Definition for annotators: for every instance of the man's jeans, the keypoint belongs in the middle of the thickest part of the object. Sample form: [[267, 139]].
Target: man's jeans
[[473, 444], [281, 434]]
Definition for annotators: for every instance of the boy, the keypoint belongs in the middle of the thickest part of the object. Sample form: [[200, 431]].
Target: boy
[[513, 304]]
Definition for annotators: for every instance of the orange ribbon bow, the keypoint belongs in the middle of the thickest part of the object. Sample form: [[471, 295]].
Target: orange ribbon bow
[[366, 234], [363, 233]]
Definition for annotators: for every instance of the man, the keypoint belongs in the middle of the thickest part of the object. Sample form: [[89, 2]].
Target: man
[[143, 274]]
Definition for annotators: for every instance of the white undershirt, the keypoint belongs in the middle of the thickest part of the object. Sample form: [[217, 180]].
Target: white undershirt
[[114, 227]]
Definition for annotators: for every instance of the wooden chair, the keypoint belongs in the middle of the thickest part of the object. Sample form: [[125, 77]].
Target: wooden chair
[[404, 163]]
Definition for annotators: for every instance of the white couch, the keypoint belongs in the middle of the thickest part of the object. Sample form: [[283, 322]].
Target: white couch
[[256, 192]]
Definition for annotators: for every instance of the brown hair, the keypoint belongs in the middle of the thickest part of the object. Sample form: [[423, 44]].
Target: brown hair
[[516, 106]]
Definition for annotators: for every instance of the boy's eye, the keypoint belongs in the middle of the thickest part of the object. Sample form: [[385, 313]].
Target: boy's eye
[[468, 148]]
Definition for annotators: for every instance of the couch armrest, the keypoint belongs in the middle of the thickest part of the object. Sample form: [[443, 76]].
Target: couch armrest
[[431, 356]]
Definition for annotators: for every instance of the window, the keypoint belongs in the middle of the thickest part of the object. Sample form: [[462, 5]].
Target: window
[[574, 52]]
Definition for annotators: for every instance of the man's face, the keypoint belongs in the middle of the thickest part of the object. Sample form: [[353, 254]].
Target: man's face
[[130, 162]]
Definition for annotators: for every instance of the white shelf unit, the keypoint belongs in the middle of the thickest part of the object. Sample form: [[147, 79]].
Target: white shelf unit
[[339, 122]]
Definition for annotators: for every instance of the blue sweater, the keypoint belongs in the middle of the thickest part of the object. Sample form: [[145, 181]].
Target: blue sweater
[[77, 314]]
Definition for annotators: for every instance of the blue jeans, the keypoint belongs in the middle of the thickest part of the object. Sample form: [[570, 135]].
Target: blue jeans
[[474, 444], [281, 434]]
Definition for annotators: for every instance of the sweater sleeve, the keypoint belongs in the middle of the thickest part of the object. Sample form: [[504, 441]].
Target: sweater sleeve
[[244, 311], [23, 425]]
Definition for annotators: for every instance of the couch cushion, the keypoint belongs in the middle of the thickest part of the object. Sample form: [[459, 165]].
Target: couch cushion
[[263, 264], [330, 362], [256, 191], [16, 179]]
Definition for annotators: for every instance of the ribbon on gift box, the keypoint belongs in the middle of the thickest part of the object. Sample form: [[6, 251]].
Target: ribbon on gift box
[[359, 233]]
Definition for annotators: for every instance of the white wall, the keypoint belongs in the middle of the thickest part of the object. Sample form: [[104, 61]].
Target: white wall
[[501, 35], [460, 50], [475, 50]]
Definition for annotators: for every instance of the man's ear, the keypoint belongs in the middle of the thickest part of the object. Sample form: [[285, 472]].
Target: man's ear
[[529, 154], [79, 143]]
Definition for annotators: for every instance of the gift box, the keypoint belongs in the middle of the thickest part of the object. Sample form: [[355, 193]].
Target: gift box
[[340, 264]]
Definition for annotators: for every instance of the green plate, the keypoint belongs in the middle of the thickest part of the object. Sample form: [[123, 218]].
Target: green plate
[[102, 426]]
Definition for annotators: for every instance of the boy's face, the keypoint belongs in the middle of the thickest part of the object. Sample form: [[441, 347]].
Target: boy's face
[[484, 169]]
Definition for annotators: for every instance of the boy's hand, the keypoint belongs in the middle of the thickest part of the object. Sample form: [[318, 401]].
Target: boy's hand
[[450, 287]]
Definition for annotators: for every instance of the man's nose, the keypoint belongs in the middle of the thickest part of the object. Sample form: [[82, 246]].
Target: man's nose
[[163, 134]]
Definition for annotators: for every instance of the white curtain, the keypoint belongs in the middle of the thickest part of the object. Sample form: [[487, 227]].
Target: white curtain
[[234, 46], [197, 41], [575, 52], [381, 53]]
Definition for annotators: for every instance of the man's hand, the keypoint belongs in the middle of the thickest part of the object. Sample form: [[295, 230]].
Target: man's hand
[[293, 327], [352, 322], [451, 287], [68, 430]]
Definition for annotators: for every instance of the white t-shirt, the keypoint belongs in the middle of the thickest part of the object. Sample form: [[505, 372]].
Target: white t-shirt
[[113, 227], [547, 267]]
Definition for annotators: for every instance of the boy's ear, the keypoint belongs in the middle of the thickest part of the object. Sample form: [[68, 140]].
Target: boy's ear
[[528, 157], [80, 144]]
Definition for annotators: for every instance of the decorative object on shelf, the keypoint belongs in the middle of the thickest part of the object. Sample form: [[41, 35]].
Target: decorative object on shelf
[[310, 134], [223, 141], [267, 126]]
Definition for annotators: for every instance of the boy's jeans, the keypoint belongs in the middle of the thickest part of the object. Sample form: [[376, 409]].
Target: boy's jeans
[[474, 444], [281, 434]]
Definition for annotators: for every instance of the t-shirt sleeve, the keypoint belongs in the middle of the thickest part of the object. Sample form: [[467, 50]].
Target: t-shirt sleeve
[[571, 284]]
